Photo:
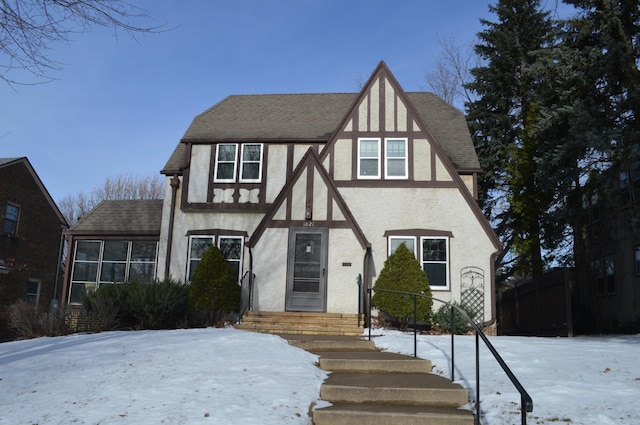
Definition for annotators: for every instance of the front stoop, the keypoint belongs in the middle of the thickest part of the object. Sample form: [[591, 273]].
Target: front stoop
[[368, 386], [300, 323]]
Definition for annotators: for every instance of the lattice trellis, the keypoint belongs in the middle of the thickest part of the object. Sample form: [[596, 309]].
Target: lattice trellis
[[472, 290]]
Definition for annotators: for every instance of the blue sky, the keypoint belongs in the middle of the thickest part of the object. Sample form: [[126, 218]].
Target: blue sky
[[120, 106]]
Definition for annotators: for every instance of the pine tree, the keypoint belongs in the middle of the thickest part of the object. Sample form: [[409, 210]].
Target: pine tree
[[502, 121]]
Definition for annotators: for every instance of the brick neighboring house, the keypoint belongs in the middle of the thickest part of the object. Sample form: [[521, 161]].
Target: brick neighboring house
[[32, 227]]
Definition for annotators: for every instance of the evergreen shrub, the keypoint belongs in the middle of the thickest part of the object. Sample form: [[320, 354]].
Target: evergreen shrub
[[442, 318], [138, 305], [214, 290], [402, 272]]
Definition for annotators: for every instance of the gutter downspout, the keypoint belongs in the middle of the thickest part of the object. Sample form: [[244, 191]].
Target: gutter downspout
[[175, 184]]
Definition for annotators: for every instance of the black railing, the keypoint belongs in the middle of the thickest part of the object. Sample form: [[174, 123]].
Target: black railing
[[526, 403]]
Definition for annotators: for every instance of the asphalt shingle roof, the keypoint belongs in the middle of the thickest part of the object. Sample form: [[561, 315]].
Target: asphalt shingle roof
[[314, 117], [122, 216]]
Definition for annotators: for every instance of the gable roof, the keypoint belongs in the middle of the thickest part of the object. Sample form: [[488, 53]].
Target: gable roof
[[121, 217], [8, 162], [314, 118], [309, 161]]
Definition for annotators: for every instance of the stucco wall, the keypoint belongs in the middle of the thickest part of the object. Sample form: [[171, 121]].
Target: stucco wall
[[378, 210]]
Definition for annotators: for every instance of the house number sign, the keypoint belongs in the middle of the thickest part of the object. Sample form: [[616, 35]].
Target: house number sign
[[308, 224]]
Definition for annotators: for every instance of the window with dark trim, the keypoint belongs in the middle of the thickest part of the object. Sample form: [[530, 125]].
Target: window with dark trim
[[604, 271], [33, 292], [637, 259], [432, 253], [371, 158], [105, 262], [435, 261], [231, 248], [238, 163], [10, 219]]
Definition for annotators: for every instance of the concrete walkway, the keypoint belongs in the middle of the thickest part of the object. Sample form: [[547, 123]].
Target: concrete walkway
[[369, 386]]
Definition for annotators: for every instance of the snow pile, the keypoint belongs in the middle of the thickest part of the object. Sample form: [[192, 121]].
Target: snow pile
[[196, 376], [225, 376]]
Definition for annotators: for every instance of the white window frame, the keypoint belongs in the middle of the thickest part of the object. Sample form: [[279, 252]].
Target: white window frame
[[240, 260], [446, 263], [243, 162], [387, 158], [217, 162], [391, 249], [360, 158], [189, 256]]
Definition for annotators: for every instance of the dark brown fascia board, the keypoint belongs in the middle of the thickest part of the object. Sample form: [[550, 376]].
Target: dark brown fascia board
[[255, 140], [116, 233]]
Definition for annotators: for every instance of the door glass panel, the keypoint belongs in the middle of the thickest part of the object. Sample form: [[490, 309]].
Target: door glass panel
[[306, 268]]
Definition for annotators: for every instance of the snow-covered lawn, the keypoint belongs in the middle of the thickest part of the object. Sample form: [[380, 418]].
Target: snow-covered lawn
[[224, 376]]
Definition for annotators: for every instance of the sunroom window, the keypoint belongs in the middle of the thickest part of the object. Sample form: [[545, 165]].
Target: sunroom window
[[103, 262]]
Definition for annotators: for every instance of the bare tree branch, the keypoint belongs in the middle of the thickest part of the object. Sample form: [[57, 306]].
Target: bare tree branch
[[29, 29], [452, 71], [124, 186]]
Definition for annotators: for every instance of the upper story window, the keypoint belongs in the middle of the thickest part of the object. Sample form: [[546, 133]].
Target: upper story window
[[396, 159], [371, 158], [10, 220], [238, 163]]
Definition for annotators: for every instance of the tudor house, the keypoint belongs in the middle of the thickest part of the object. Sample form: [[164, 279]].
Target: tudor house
[[307, 194]]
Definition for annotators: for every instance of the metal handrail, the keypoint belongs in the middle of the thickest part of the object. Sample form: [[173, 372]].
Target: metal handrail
[[526, 402]]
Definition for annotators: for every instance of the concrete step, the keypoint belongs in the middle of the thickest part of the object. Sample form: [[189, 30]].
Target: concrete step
[[321, 343], [420, 389], [372, 362], [387, 414], [301, 323]]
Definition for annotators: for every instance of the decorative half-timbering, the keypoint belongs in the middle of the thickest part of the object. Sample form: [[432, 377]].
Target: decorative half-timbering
[[320, 188]]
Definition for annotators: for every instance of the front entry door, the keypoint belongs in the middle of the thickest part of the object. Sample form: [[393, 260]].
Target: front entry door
[[306, 279]]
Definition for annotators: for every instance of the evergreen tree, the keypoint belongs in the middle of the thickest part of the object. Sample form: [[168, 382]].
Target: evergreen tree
[[214, 288], [402, 272], [502, 121]]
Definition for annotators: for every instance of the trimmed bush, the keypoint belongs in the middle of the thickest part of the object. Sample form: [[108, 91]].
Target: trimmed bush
[[138, 305], [214, 290], [402, 272], [442, 318]]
